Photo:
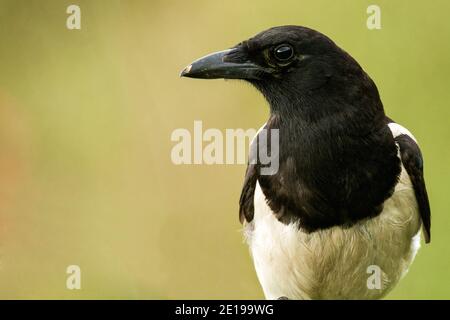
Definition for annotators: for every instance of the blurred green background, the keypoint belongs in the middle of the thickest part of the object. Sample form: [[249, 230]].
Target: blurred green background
[[85, 122]]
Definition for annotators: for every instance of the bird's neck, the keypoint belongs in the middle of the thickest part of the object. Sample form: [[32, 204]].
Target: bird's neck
[[341, 107], [329, 129]]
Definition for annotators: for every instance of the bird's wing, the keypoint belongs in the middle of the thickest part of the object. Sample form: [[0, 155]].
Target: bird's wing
[[246, 206], [412, 160]]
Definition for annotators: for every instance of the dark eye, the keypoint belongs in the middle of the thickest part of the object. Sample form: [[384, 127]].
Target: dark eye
[[283, 52]]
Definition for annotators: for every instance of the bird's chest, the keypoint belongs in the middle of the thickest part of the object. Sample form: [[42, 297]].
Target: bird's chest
[[334, 262], [327, 180]]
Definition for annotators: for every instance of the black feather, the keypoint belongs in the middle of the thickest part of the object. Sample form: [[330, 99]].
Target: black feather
[[413, 162]]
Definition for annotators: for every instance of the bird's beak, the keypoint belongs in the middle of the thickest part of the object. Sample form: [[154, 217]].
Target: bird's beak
[[216, 66]]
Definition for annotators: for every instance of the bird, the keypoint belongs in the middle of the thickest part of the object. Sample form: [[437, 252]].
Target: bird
[[349, 194]]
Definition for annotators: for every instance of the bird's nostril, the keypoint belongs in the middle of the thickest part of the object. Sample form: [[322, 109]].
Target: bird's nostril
[[235, 56]]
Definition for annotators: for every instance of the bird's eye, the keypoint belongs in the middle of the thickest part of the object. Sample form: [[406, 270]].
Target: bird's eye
[[283, 52]]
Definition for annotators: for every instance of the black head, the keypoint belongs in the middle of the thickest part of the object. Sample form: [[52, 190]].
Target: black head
[[294, 67]]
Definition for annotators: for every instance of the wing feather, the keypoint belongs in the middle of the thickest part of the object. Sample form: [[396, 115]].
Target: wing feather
[[412, 160]]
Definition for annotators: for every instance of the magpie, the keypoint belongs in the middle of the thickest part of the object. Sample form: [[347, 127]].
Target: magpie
[[349, 195]]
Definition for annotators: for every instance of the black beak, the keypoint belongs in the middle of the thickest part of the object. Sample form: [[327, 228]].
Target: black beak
[[216, 66]]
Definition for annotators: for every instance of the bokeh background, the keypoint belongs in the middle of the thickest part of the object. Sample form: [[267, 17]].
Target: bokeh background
[[85, 122]]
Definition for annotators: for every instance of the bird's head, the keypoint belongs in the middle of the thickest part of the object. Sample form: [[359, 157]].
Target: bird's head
[[288, 64]]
